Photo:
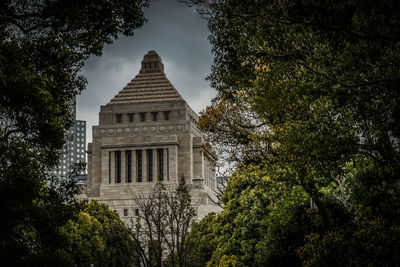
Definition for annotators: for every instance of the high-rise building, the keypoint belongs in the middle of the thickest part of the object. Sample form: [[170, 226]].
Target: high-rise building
[[75, 147], [146, 134]]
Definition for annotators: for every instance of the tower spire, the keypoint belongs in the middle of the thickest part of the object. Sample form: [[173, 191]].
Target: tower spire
[[152, 63]]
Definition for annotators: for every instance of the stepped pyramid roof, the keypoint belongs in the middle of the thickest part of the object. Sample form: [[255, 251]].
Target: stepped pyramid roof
[[150, 85]]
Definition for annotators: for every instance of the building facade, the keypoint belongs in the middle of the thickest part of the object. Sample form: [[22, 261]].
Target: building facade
[[146, 134], [74, 148]]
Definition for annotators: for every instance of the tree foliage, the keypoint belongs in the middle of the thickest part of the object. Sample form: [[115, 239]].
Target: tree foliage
[[308, 92], [263, 223], [43, 46], [97, 237]]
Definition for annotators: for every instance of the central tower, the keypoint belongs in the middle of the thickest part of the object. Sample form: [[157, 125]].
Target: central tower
[[148, 133]]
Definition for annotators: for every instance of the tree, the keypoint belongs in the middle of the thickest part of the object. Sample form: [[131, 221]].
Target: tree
[[315, 84], [308, 91], [161, 226], [262, 224], [200, 243], [43, 46], [97, 236]]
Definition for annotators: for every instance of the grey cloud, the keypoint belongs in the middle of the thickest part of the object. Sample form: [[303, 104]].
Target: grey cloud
[[178, 34]]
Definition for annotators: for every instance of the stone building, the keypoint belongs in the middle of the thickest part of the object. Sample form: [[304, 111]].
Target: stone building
[[148, 133]]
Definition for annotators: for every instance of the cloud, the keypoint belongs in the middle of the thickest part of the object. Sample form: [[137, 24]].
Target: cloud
[[178, 34]]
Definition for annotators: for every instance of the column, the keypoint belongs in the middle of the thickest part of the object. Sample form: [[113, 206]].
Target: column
[[105, 166], [173, 163], [123, 166], [112, 167]]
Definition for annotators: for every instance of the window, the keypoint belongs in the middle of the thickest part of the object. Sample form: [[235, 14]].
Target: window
[[125, 212], [119, 118], [139, 165], [150, 165], [160, 155], [78, 133], [166, 115], [117, 166], [154, 115], [129, 166], [109, 167], [136, 212], [142, 117], [131, 116]]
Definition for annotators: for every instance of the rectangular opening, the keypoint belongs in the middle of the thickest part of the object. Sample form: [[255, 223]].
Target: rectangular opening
[[125, 212], [119, 118], [142, 116], [109, 167], [154, 115], [150, 165], [166, 115], [117, 166], [167, 164], [139, 165], [160, 156], [129, 166], [131, 116]]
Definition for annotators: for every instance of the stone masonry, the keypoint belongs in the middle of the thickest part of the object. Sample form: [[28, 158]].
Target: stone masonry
[[148, 133]]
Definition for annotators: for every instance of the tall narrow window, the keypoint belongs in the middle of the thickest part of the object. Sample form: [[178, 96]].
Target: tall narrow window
[[166, 115], [139, 165], [117, 166], [129, 166], [119, 118], [131, 116], [154, 115], [167, 164], [160, 155], [150, 165], [109, 167], [142, 116]]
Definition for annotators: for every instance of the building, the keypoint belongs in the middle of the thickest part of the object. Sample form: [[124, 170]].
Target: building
[[74, 149], [148, 133]]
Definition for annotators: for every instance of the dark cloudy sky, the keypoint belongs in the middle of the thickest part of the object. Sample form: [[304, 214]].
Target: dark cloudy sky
[[178, 34]]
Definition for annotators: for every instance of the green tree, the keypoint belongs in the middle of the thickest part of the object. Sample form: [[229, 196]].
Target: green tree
[[305, 90], [315, 83], [263, 223], [200, 242], [97, 236], [43, 46]]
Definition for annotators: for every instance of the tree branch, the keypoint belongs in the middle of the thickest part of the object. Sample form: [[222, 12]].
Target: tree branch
[[345, 84]]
